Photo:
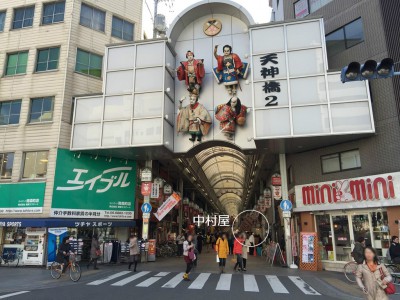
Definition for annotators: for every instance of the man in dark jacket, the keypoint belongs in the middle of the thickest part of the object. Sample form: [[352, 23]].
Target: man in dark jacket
[[358, 251], [63, 253], [394, 250]]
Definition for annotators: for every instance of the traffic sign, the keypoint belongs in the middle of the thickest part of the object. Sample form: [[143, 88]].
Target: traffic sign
[[146, 208], [286, 214], [146, 216], [286, 205]]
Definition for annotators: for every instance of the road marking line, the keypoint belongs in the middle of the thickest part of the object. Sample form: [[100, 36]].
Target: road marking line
[[111, 277], [162, 274], [130, 278], [303, 286], [13, 294], [149, 281], [174, 281], [276, 285], [250, 283], [224, 283], [200, 281]]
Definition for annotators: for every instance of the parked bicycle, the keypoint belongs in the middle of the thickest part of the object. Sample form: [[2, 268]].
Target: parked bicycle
[[75, 273], [350, 269], [11, 257]]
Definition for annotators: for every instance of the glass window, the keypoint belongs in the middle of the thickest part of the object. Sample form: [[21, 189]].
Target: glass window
[[341, 161], [2, 20], [53, 12], [16, 63], [122, 29], [6, 165], [301, 9], [23, 17], [330, 163], [317, 4], [345, 37], [88, 63], [41, 110], [35, 165], [92, 17], [47, 59], [350, 160], [325, 236], [10, 112], [341, 230]]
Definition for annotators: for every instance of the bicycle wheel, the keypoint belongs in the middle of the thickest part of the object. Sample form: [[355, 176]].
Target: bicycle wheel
[[349, 270], [75, 272], [55, 270], [393, 269]]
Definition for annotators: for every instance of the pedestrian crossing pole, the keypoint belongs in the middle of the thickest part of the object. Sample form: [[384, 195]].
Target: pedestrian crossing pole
[[146, 199], [285, 195]]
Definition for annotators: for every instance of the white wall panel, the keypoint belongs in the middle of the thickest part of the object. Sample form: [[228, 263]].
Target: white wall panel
[[149, 55], [148, 105], [149, 79], [311, 120], [267, 40], [121, 58], [303, 35], [306, 62], [89, 110], [147, 131], [116, 134], [118, 107], [314, 93], [272, 122], [347, 117], [119, 82], [86, 135]]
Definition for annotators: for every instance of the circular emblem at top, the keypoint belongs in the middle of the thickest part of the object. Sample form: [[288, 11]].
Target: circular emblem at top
[[212, 27]]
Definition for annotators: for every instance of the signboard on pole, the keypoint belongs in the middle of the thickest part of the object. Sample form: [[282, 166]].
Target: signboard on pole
[[146, 175], [164, 209], [146, 188], [155, 190], [277, 190]]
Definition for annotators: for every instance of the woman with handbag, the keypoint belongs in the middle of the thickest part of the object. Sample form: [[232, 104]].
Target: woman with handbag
[[133, 252], [188, 256], [222, 249], [373, 278], [95, 252]]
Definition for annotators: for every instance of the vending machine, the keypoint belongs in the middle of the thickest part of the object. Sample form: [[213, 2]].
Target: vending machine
[[34, 249]]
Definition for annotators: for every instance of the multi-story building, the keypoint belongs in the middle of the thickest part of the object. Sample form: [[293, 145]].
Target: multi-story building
[[50, 51], [355, 30]]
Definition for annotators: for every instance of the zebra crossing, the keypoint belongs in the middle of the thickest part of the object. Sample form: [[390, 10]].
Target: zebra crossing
[[218, 282]]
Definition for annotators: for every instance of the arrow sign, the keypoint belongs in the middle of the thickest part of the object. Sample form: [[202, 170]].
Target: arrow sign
[[166, 207]]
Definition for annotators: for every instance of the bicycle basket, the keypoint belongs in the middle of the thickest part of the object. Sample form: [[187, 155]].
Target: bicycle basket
[[72, 257]]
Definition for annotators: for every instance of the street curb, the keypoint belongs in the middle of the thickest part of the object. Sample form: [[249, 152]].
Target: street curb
[[337, 292]]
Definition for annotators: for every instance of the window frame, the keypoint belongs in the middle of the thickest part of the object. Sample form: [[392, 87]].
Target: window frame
[[340, 161], [52, 3], [24, 165], [19, 118], [308, 8], [5, 17], [93, 8], [37, 59], [343, 28], [29, 118], [2, 154], [123, 22], [23, 19], [6, 64], [90, 53]]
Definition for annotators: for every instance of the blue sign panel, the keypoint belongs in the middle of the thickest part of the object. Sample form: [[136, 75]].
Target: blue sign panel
[[286, 205], [146, 208]]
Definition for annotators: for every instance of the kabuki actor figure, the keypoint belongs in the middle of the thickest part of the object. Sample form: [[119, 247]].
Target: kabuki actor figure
[[192, 71], [194, 118], [231, 114], [230, 69]]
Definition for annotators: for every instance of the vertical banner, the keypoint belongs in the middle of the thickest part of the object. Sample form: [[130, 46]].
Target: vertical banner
[[54, 238], [167, 206]]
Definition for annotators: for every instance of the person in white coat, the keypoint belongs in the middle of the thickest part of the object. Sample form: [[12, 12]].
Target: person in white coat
[[245, 249]]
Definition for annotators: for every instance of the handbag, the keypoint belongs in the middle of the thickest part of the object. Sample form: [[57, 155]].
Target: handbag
[[98, 252], [390, 288], [191, 255], [217, 259]]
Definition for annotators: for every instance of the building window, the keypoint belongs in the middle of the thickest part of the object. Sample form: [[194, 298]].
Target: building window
[[16, 63], [10, 112], [47, 59], [35, 165], [342, 161], [88, 63], [92, 17], [23, 17], [53, 13], [6, 165], [41, 110], [303, 8], [122, 29], [2, 20], [345, 37]]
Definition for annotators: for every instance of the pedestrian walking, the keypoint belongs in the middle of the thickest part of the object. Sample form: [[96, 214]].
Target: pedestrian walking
[[358, 251], [245, 249], [230, 242], [373, 277], [222, 249], [394, 250], [251, 240], [94, 252], [133, 252], [237, 250], [188, 255]]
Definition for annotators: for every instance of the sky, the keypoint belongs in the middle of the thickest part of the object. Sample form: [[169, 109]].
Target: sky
[[259, 9]]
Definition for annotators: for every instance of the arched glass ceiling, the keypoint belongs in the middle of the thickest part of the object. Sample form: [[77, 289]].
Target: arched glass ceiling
[[225, 171]]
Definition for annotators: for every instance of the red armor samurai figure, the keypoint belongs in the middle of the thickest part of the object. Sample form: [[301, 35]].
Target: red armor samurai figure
[[231, 114], [192, 71]]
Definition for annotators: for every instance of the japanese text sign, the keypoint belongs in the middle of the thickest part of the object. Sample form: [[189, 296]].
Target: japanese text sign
[[22, 198]]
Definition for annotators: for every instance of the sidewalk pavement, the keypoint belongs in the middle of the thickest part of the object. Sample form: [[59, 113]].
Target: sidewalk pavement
[[328, 283]]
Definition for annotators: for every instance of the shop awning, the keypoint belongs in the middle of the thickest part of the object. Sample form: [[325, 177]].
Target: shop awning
[[22, 222]]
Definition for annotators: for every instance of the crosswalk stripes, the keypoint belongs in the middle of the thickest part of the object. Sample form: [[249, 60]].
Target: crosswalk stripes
[[276, 285], [130, 278], [251, 283], [200, 281], [303, 286], [224, 283]]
